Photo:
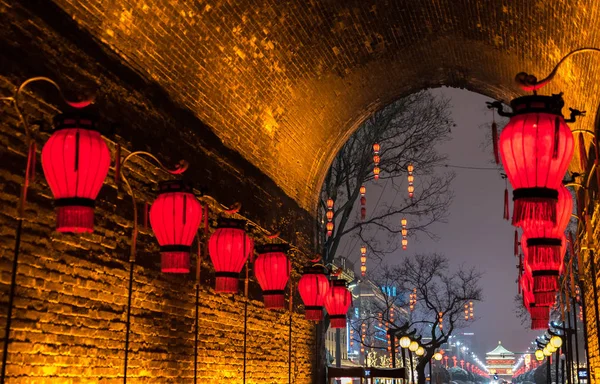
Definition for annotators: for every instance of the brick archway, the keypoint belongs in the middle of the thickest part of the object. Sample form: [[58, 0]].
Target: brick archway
[[285, 83]]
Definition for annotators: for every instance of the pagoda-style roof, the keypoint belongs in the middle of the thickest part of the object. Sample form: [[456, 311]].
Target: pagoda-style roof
[[499, 351]]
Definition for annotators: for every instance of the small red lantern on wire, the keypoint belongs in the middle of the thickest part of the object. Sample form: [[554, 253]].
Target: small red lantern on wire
[[337, 302], [229, 247], [363, 190], [175, 217], [376, 148], [330, 203], [272, 270], [376, 172], [329, 227], [536, 130], [376, 159], [75, 161], [411, 179], [313, 287], [329, 215]]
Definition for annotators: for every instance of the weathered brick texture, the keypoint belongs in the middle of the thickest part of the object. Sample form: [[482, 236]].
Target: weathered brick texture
[[70, 304], [286, 82]]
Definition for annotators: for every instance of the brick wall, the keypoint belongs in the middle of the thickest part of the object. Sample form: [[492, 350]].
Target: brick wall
[[285, 83], [70, 304]]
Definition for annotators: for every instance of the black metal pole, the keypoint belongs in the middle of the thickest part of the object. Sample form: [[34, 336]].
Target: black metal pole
[[430, 373], [595, 290], [585, 335], [569, 349], [128, 321], [290, 353], [403, 359], [563, 371], [11, 297], [412, 372], [575, 332], [548, 374], [196, 334], [245, 334], [557, 357], [393, 344]]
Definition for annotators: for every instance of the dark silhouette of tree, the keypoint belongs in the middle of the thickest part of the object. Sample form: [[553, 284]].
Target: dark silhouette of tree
[[407, 132], [439, 291]]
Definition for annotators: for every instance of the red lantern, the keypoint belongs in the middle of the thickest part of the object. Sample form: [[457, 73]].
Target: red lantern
[[229, 248], [411, 191], [410, 168], [272, 270], [376, 172], [329, 215], [376, 159], [536, 147], [363, 200], [313, 287], [363, 190], [363, 250], [363, 213], [75, 161], [175, 217], [376, 148], [329, 227], [404, 243], [330, 203], [337, 302]]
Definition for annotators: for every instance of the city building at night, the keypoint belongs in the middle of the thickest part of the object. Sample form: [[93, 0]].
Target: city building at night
[[500, 361]]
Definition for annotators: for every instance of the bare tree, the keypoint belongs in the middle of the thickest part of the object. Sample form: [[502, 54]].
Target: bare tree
[[438, 311], [407, 132]]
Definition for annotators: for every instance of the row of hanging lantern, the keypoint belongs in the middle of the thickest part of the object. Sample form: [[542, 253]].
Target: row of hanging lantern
[[469, 314], [411, 180], [412, 300], [404, 232], [376, 160], [363, 260], [542, 205], [76, 161], [329, 216], [363, 202]]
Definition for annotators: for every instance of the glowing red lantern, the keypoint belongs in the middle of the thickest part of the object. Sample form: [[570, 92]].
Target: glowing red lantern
[[404, 244], [536, 147], [363, 250], [376, 172], [410, 168], [330, 203], [411, 191], [75, 161], [337, 302], [363, 190], [229, 247], [363, 213], [313, 287], [272, 270], [376, 159], [376, 148], [175, 217], [329, 215], [329, 227]]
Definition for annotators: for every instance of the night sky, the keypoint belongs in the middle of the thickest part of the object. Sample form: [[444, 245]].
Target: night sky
[[475, 232]]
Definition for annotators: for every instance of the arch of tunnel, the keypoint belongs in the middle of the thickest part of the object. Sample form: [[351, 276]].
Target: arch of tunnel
[[258, 96]]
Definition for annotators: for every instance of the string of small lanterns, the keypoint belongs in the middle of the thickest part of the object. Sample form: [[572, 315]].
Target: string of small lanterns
[[329, 216], [363, 202], [404, 231], [376, 160], [363, 260], [411, 179]]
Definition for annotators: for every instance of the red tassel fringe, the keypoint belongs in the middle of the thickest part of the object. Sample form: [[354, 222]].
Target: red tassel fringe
[[534, 211], [338, 323], [582, 153], [175, 262], [516, 244], [545, 298], [539, 324], [544, 257], [274, 301], [545, 284], [506, 213], [539, 312], [495, 142], [314, 314], [226, 284], [76, 219]]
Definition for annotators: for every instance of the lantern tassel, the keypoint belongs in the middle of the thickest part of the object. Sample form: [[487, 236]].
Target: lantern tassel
[[534, 208], [516, 243], [495, 142], [506, 213], [546, 299], [31, 160], [582, 152], [544, 255]]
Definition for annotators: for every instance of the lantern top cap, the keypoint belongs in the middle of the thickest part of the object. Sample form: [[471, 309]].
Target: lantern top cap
[[271, 248], [174, 186], [226, 222], [75, 119], [538, 104], [315, 270]]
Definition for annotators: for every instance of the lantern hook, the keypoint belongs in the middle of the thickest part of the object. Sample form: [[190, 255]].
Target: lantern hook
[[529, 82], [500, 107]]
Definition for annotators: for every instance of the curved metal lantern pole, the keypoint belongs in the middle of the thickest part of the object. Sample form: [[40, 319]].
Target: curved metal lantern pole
[[29, 176], [179, 169]]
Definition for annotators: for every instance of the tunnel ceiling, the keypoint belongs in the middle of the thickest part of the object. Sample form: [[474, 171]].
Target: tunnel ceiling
[[286, 82]]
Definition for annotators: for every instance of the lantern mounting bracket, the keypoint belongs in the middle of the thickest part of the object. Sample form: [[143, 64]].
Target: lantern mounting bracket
[[574, 114], [500, 107]]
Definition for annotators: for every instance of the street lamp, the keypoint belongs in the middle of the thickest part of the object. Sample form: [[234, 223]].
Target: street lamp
[[405, 342], [539, 355], [556, 341], [437, 356], [413, 346], [420, 351]]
